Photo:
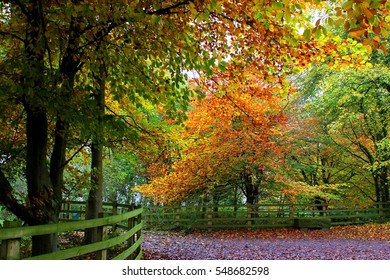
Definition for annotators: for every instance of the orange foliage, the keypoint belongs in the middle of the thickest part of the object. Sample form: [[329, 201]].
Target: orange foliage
[[229, 132], [236, 128]]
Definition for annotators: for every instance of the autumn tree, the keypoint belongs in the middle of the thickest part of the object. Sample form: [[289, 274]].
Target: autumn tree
[[50, 63], [350, 107], [228, 140], [314, 171], [47, 53]]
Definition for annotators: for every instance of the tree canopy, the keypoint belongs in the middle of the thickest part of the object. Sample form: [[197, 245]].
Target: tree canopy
[[189, 97]]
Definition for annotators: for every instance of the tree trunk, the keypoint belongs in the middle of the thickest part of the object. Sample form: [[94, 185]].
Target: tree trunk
[[42, 203], [319, 203], [252, 192], [384, 182], [252, 195], [40, 189], [44, 186], [95, 198], [215, 201], [235, 200], [381, 180], [57, 161], [43, 244]]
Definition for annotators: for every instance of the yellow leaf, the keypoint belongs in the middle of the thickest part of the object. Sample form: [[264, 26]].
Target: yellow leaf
[[385, 33], [384, 48], [364, 4], [347, 25], [192, 8], [369, 50], [357, 32], [377, 38], [369, 14], [367, 42], [348, 5], [339, 21]]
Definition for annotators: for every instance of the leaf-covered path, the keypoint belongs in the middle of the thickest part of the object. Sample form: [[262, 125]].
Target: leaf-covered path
[[369, 242]]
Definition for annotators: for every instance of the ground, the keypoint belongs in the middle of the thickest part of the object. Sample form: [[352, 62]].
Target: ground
[[364, 242]]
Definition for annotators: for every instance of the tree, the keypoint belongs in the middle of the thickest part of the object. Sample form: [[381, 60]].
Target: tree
[[49, 45], [122, 173], [50, 48], [227, 140], [315, 170], [351, 108], [95, 197]]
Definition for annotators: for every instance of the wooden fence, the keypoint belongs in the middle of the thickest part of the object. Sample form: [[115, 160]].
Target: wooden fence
[[261, 216], [119, 230]]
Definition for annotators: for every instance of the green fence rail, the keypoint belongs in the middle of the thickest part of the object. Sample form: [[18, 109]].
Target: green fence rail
[[261, 216], [124, 225]]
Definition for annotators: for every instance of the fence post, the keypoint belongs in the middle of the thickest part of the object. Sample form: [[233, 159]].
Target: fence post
[[68, 208], [209, 217], [177, 217], [130, 224], [101, 235], [114, 212], [292, 214], [249, 214], [139, 234], [114, 208], [10, 248], [386, 211], [82, 213], [292, 211]]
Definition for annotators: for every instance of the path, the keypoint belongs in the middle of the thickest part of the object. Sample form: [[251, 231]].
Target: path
[[264, 245]]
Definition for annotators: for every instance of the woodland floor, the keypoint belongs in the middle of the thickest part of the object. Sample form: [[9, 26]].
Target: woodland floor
[[363, 242]]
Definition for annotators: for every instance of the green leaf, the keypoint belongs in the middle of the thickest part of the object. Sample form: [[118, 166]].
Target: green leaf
[[277, 5], [287, 15], [222, 65], [307, 34]]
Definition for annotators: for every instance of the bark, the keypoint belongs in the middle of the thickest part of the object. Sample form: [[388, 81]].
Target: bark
[[10, 201], [320, 205], [41, 200], [57, 161], [385, 184], [95, 198], [41, 203], [251, 191], [381, 180], [216, 198], [44, 185], [235, 201]]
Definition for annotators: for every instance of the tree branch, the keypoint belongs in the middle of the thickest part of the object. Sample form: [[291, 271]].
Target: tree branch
[[168, 10], [123, 117], [9, 200], [76, 153], [12, 35]]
